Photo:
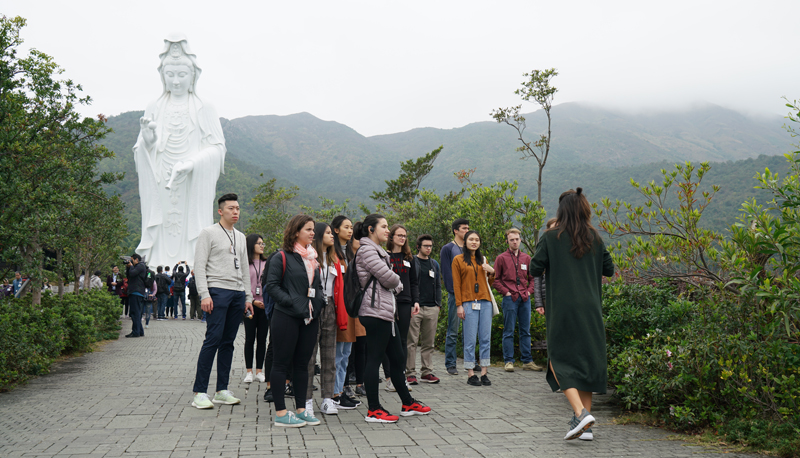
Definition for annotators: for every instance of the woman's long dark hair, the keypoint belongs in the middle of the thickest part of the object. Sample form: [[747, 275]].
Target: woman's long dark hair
[[294, 226], [349, 251], [405, 249], [468, 254], [574, 216], [330, 252], [251, 247], [335, 225]]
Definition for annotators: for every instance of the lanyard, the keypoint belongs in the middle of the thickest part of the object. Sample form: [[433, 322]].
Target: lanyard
[[233, 241], [516, 266], [257, 267]]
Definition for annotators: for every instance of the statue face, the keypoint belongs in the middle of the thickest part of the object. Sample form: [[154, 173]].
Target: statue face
[[178, 79]]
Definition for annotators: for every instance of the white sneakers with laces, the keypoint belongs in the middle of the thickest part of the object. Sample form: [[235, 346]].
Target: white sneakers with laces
[[260, 377], [248, 378], [329, 407]]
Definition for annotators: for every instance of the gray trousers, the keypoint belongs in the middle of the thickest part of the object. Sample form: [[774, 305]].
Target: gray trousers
[[326, 340]]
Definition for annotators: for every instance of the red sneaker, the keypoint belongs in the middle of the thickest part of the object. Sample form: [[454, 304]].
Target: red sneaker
[[411, 380], [416, 408], [381, 416], [430, 378]]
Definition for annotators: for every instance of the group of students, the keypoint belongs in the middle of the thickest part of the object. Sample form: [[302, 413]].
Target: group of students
[[298, 297]]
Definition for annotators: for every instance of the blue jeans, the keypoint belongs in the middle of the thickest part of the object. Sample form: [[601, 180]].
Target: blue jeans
[[452, 332], [342, 358], [180, 298], [222, 326], [162, 304], [513, 312], [477, 324]]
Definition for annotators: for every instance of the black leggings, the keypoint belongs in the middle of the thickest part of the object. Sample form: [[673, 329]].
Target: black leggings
[[255, 332], [293, 341], [358, 361], [380, 341], [403, 322]]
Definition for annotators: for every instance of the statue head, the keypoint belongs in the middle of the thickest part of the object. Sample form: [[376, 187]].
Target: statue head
[[177, 58]]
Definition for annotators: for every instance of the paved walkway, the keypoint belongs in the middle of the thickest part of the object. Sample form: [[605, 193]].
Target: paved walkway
[[132, 398]]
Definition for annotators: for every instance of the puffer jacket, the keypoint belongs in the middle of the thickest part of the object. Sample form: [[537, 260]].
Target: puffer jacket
[[372, 260]]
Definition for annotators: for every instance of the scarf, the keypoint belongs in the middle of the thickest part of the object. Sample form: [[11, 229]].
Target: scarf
[[309, 255]]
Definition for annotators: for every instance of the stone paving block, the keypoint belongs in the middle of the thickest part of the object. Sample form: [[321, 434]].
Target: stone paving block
[[129, 421], [155, 442]]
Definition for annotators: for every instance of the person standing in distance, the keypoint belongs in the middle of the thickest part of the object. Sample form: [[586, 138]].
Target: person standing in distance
[[460, 227], [422, 329], [136, 271], [514, 281], [223, 283]]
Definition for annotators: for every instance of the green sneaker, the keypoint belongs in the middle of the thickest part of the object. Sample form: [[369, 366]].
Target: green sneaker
[[289, 420], [201, 401], [308, 417], [225, 397]]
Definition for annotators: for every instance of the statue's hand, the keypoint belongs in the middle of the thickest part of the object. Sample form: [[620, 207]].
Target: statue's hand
[[148, 129], [179, 170]]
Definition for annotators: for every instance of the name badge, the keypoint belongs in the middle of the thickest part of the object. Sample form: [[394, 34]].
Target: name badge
[[523, 266], [476, 306], [258, 291], [406, 263], [342, 269], [430, 272], [236, 263], [312, 292], [333, 271]]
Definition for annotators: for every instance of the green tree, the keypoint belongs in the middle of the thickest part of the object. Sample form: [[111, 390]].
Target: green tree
[[326, 211], [539, 90], [270, 208], [48, 153], [406, 187]]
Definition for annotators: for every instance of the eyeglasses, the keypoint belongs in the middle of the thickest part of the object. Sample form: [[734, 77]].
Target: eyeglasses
[[427, 246], [401, 236], [262, 244]]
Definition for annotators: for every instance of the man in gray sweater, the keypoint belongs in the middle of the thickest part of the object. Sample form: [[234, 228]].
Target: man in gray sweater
[[222, 276]]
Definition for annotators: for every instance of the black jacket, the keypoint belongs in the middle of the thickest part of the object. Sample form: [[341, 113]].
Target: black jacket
[[437, 279], [136, 276], [289, 289], [180, 282], [163, 281]]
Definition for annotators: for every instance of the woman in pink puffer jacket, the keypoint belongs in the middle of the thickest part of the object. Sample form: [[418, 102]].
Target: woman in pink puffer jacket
[[377, 317]]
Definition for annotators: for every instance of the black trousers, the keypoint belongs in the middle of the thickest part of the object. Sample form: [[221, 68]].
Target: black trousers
[[381, 340], [357, 361], [255, 333], [403, 318], [293, 343]]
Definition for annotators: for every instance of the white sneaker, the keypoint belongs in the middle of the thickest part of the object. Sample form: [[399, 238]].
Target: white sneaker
[[329, 407], [260, 377], [310, 406], [248, 378], [409, 386], [389, 387]]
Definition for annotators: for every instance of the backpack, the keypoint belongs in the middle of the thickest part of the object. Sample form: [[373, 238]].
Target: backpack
[[353, 293], [192, 287], [269, 302], [149, 279]]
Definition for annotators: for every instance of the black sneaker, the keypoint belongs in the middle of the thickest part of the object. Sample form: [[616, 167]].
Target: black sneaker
[[268, 395], [360, 391], [452, 371], [288, 391], [477, 368], [485, 380], [352, 400], [352, 378], [349, 392], [343, 402], [474, 381]]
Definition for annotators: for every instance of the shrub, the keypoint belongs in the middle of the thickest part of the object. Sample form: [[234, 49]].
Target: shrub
[[32, 337]]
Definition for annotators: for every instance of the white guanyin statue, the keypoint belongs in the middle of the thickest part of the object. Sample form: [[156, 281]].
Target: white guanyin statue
[[179, 155]]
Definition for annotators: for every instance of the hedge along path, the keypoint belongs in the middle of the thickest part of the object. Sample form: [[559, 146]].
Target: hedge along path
[[132, 397]]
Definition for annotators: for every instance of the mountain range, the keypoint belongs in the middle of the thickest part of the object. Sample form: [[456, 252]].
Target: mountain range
[[590, 146]]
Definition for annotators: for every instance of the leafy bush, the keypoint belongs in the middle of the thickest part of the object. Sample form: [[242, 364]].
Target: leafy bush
[[32, 337]]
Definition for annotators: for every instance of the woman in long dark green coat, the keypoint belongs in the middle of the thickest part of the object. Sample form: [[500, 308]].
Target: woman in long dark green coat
[[575, 259]]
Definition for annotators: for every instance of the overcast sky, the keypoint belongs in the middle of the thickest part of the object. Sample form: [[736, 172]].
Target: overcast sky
[[383, 67]]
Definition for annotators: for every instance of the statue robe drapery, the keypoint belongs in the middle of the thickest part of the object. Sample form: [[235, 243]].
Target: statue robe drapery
[[172, 219]]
